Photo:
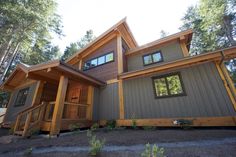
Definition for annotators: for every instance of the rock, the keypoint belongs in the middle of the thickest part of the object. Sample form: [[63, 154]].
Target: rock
[[7, 139]]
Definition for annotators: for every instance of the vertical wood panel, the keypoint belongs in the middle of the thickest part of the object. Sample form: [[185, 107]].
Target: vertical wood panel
[[121, 99], [90, 102], [119, 54]]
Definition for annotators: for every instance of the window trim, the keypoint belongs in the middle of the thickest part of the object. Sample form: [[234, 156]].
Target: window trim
[[168, 90], [23, 89], [159, 51], [97, 60]]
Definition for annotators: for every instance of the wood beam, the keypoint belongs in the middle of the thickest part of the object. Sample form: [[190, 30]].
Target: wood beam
[[112, 81], [89, 111], [119, 54], [38, 93], [121, 99], [41, 78], [59, 106], [226, 85], [229, 80], [184, 48], [168, 122], [80, 64]]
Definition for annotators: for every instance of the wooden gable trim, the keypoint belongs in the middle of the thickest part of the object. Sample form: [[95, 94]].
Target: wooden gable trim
[[84, 52], [161, 42], [198, 59]]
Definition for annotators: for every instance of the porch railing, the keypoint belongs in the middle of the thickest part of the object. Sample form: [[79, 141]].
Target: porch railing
[[72, 111], [29, 119]]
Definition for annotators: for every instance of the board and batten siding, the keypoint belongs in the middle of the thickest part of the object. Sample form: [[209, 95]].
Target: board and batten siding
[[206, 96], [108, 107], [12, 111], [170, 52]]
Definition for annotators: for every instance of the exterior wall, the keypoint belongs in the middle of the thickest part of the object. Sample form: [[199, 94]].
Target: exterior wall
[[206, 96], [12, 111], [96, 106], [170, 52], [107, 71], [108, 102]]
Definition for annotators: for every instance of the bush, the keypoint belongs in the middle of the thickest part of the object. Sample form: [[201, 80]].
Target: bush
[[94, 127], [149, 127], [134, 124], [28, 151], [74, 127], [95, 145], [11, 130], [153, 151], [111, 124]]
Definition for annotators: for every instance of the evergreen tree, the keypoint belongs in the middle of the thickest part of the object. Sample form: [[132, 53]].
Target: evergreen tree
[[74, 47]]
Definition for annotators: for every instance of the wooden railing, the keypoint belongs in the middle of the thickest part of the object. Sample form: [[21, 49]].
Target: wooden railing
[[29, 119], [74, 111]]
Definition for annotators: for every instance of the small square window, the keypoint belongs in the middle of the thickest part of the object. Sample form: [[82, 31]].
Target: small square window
[[109, 57], [147, 59], [21, 97], [156, 57], [101, 60], [94, 62]]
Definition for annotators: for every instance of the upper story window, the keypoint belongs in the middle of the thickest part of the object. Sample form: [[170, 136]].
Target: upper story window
[[168, 85], [109, 57], [152, 58], [21, 97]]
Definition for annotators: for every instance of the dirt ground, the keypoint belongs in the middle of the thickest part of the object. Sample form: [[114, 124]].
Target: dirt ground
[[177, 143]]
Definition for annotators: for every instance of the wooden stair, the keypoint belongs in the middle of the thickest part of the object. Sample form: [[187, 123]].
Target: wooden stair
[[29, 120]]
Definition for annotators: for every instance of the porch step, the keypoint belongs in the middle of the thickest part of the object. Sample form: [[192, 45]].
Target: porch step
[[18, 132]]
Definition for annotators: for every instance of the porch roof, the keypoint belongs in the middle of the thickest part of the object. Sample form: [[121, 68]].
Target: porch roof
[[50, 72]]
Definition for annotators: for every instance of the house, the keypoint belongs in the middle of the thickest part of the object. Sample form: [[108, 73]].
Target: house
[[113, 78]]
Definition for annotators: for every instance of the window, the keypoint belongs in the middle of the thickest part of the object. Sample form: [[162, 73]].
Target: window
[[21, 97], [109, 57], [152, 58], [168, 85]]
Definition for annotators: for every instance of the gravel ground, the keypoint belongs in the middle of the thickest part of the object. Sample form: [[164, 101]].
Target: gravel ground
[[176, 143]]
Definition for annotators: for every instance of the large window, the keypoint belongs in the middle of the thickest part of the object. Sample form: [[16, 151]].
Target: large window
[[152, 58], [168, 85], [21, 97], [109, 57]]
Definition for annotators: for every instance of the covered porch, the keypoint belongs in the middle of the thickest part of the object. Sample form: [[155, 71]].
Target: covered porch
[[64, 96]]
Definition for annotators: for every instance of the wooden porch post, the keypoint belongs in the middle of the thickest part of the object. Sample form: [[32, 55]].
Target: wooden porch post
[[59, 106], [89, 111]]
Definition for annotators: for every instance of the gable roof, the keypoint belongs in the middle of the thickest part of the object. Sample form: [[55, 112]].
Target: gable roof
[[121, 26], [49, 71], [187, 34]]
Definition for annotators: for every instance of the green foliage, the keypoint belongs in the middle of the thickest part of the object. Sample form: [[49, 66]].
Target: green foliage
[[149, 127], [28, 151], [34, 131], [134, 124], [95, 144], [94, 127], [26, 29], [74, 47], [111, 124], [153, 151], [74, 127], [213, 23], [11, 130]]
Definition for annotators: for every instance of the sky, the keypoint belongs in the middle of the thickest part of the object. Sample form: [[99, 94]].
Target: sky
[[146, 18]]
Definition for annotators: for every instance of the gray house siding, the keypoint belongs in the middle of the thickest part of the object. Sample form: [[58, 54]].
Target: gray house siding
[[206, 96], [96, 104], [109, 102], [170, 52], [12, 111]]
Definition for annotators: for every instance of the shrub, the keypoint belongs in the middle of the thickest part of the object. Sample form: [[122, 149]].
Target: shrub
[[11, 130], [111, 124], [94, 127], [134, 124], [149, 127], [95, 145], [153, 151], [74, 127], [28, 151]]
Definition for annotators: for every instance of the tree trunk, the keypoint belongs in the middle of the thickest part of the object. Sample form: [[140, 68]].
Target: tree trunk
[[10, 62], [228, 28], [5, 51]]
